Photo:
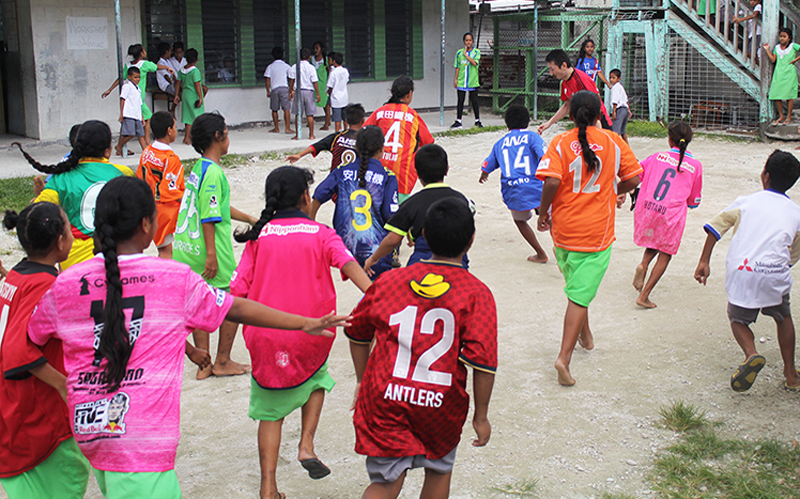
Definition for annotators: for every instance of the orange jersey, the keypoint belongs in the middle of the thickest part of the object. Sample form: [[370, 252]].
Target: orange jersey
[[161, 168], [583, 211], [405, 132]]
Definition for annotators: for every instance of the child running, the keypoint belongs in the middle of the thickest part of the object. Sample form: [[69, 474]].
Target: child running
[[671, 181], [38, 455], [124, 355], [342, 145], [579, 171], [162, 169], [285, 246], [366, 197], [764, 246], [427, 323], [203, 232], [517, 155], [190, 90]]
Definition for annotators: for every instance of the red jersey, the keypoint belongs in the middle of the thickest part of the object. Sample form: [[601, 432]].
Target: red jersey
[[33, 418], [581, 81], [405, 133], [428, 321]]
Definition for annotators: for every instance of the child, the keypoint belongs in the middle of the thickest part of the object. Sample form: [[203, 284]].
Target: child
[[404, 131], [189, 90], [307, 82], [366, 197], [766, 238], [342, 145], [589, 64], [177, 61], [320, 62], [671, 181], [579, 186], [39, 456], [784, 77], [163, 79], [519, 153], [162, 169], [203, 232], [278, 90], [620, 112], [130, 112], [411, 416], [431, 166], [752, 27], [466, 79], [337, 89], [75, 183], [289, 370], [124, 359]]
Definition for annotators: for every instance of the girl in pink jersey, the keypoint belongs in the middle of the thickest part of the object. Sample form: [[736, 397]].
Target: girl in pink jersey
[[672, 181], [286, 265], [123, 355]]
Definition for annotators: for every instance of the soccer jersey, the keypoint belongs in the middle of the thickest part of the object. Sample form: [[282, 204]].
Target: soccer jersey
[[137, 427], [277, 73], [162, 169], [468, 78], [578, 81], [517, 155], [590, 66], [207, 200], [337, 81], [765, 244], [361, 212], [664, 194], [342, 146], [288, 268], [585, 205], [132, 97], [428, 321], [188, 77], [33, 417], [405, 132], [410, 217]]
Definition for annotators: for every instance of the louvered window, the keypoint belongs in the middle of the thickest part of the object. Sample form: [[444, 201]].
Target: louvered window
[[399, 42], [165, 21], [271, 29], [316, 24], [358, 29], [220, 41]]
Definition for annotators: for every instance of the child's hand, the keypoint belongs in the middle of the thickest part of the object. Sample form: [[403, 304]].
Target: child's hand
[[292, 158], [614, 116], [483, 430], [543, 224], [3, 271], [544, 126], [198, 104], [121, 119], [621, 200], [702, 272], [766, 47], [38, 185], [210, 270], [176, 100], [319, 327], [484, 177], [368, 266], [105, 94], [199, 356]]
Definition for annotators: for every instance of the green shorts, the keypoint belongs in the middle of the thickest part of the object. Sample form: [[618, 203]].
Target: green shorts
[[141, 485], [63, 475], [582, 273], [274, 405]]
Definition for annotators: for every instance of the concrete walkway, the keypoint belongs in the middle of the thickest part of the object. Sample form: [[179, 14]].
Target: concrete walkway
[[249, 140]]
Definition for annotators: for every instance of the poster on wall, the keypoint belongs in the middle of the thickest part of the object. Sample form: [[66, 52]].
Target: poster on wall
[[87, 33]]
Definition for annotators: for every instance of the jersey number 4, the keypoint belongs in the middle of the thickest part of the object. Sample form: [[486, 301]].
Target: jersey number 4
[[407, 319]]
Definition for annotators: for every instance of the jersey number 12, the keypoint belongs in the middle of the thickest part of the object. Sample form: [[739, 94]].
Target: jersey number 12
[[406, 319]]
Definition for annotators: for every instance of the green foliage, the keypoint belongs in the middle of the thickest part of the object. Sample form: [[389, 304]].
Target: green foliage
[[520, 488], [637, 128], [682, 417], [616, 495], [460, 132], [232, 160], [15, 193]]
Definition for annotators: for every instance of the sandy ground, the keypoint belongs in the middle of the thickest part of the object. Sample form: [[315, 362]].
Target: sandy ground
[[597, 436]]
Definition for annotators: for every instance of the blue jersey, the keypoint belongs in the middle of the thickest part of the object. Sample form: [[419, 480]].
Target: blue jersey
[[517, 155], [361, 212], [590, 66]]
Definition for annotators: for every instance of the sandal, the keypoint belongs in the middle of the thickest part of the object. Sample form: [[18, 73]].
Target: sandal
[[793, 389], [746, 373]]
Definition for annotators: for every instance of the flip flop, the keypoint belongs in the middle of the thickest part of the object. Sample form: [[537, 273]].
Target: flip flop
[[746, 373], [793, 389], [315, 468], [776, 122]]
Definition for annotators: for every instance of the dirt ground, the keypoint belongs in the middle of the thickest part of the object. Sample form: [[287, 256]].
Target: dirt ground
[[598, 436]]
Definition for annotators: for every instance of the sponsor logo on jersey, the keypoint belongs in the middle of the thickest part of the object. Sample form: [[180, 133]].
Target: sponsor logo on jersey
[[102, 416], [431, 286], [285, 230], [212, 202], [7, 292], [578, 150]]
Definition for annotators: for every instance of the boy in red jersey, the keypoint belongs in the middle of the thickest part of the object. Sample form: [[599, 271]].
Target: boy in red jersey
[[429, 321]]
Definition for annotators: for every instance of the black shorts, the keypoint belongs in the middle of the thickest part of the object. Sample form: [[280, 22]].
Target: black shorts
[[748, 316]]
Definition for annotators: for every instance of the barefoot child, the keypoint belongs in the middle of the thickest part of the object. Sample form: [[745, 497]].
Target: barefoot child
[[38, 455], [765, 244], [579, 185], [517, 155], [130, 112], [438, 315], [784, 77], [308, 95], [289, 369], [192, 92], [338, 96], [671, 182], [277, 84], [342, 145], [203, 232], [125, 357]]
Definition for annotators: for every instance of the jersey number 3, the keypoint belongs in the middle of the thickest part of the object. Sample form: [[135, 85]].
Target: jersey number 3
[[406, 319]]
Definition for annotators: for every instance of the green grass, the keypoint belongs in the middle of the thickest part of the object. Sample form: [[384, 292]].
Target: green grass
[[637, 128], [520, 488], [682, 417], [460, 132], [616, 495], [15, 193]]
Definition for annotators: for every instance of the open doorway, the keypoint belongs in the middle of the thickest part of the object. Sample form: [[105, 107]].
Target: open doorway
[[12, 109]]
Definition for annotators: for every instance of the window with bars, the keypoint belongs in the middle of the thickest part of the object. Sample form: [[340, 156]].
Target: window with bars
[[399, 41], [270, 29], [165, 21], [220, 41], [316, 24], [358, 30]]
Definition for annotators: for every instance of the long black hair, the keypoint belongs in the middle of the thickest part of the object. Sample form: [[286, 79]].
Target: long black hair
[[92, 141], [400, 88], [121, 207], [368, 142], [680, 133], [135, 51], [582, 51], [584, 108], [38, 226], [283, 189], [207, 129]]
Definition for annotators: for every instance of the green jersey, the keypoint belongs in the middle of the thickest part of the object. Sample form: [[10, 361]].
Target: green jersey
[[467, 72], [207, 200]]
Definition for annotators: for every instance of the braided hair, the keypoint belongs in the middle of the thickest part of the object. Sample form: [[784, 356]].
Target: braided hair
[[93, 139], [368, 142], [38, 226], [401, 87], [584, 108], [121, 207], [582, 52], [680, 133], [283, 189]]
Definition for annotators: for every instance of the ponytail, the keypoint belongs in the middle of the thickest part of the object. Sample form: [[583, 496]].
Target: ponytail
[[368, 142], [38, 226], [680, 133], [92, 140], [401, 87], [584, 107], [62, 167]]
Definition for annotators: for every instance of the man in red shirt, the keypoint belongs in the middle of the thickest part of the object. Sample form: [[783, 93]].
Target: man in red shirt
[[572, 81]]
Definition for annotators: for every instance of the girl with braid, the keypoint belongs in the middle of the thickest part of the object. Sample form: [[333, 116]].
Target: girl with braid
[[123, 336], [76, 181], [580, 171], [286, 265], [672, 182], [365, 194]]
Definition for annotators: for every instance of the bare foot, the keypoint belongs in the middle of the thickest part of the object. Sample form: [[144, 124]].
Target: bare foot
[[187, 143], [788, 121], [118, 150], [230, 368], [290, 131], [311, 137], [564, 378], [294, 138], [538, 259], [275, 130], [205, 372], [638, 277], [586, 340], [646, 303], [325, 128]]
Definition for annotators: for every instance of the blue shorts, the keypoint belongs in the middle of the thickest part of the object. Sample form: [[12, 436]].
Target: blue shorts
[[523, 196]]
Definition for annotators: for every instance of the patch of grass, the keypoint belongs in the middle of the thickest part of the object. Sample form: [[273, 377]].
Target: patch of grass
[[682, 417], [616, 495], [460, 132], [233, 160], [15, 193], [277, 155], [520, 488], [637, 128]]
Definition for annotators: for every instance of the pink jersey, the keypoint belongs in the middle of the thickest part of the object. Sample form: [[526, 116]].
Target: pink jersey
[[288, 268], [665, 193], [135, 429]]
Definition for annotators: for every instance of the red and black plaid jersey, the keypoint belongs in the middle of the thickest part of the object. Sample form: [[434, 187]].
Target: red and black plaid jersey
[[428, 320], [342, 146]]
